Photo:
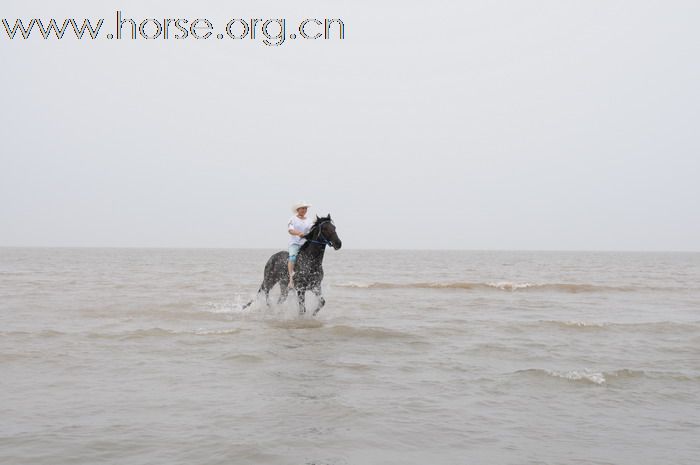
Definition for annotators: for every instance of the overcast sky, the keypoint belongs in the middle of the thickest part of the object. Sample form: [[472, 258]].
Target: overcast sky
[[542, 125]]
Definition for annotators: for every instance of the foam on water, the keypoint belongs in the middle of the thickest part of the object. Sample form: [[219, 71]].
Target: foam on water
[[573, 375]]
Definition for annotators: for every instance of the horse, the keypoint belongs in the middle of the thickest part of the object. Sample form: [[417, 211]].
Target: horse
[[308, 270]]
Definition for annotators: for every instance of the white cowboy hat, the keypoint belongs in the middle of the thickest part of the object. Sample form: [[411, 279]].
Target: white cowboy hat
[[299, 205]]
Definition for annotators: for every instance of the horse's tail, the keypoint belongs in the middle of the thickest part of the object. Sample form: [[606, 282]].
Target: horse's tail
[[260, 289], [253, 299]]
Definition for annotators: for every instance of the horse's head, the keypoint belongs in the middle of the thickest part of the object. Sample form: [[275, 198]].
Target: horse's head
[[324, 231]]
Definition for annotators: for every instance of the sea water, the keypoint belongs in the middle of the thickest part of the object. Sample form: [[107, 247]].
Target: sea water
[[135, 356]]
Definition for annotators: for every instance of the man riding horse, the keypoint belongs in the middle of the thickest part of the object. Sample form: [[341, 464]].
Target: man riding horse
[[307, 267]]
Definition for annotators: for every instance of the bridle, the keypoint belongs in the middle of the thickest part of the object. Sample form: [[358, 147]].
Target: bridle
[[320, 239]]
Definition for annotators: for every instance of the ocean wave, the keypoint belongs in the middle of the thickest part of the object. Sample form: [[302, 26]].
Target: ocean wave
[[44, 333], [575, 324], [496, 286], [217, 332], [651, 326], [160, 333], [144, 333], [349, 366], [583, 376], [601, 378], [245, 358]]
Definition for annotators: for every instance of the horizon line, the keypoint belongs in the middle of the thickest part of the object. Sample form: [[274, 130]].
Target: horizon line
[[88, 247]]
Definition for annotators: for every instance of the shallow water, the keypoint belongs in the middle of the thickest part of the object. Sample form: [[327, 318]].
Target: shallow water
[[145, 356]]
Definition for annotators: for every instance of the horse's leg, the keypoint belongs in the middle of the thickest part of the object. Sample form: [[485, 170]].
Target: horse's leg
[[284, 291], [268, 283], [321, 300], [267, 297], [301, 295], [282, 278]]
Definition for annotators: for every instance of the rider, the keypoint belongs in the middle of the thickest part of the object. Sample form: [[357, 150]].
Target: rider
[[298, 226]]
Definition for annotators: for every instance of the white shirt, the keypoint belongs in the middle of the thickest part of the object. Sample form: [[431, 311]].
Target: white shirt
[[300, 225]]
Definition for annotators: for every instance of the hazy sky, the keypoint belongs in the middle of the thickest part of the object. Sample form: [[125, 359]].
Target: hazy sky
[[444, 124]]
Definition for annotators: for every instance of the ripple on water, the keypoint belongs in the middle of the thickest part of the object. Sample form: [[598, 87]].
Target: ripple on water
[[298, 323], [369, 332]]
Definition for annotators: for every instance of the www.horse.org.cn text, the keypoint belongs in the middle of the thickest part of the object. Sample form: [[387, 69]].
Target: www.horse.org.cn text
[[271, 32]]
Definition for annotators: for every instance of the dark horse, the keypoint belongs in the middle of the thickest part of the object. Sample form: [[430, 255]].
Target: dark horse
[[308, 270]]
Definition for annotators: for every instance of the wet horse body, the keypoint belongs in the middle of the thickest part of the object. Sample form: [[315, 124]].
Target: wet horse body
[[308, 270]]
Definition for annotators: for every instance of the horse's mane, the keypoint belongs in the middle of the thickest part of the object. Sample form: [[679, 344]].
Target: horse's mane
[[314, 227]]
